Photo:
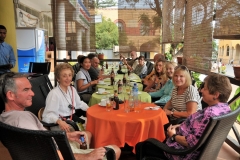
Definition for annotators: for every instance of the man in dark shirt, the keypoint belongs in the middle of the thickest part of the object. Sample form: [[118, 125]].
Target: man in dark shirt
[[94, 70]]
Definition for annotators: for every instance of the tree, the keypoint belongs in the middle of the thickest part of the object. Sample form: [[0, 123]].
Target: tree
[[106, 34]]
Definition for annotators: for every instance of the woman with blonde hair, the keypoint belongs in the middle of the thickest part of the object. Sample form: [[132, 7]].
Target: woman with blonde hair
[[158, 79], [185, 99], [164, 94]]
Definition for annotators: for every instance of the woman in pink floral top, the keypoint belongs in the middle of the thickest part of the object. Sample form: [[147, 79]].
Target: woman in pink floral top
[[187, 134]]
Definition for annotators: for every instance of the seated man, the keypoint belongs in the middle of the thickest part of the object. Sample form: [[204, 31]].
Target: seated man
[[132, 64], [141, 68], [17, 94]]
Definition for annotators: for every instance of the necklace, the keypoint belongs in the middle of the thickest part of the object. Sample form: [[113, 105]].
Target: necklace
[[66, 97]]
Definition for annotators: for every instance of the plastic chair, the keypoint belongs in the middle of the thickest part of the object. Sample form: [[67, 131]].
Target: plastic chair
[[24, 144], [208, 145], [39, 67]]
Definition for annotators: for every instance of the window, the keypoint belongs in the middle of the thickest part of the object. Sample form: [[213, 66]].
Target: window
[[120, 26], [227, 51]]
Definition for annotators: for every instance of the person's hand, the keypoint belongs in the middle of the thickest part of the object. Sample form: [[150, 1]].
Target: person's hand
[[75, 136], [97, 154], [63, 126], [171, 130], [95, 81], [168, 112]]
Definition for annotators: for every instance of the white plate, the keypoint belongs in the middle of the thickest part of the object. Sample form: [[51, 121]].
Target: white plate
[[101, 105], [106, 92], [152, 108]]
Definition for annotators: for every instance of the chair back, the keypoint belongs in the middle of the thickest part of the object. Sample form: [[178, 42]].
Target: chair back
[[41, 86], [149, 67], [39, 67], [213, 143], [24, 144]]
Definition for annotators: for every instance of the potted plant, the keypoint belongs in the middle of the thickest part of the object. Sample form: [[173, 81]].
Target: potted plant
[[236, 69], [100, 56]]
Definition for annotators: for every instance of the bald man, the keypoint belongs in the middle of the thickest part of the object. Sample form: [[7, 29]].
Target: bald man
[[131, 65]]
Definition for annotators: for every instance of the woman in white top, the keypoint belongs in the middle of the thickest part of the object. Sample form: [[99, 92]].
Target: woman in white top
[[83, 82], [185, 98], [62, 101]]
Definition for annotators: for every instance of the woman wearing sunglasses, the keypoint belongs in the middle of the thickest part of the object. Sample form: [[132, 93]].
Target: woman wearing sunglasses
[[185, 99]]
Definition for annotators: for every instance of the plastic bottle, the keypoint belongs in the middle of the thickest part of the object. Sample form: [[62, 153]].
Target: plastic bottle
[[84, 144], [135, 93]]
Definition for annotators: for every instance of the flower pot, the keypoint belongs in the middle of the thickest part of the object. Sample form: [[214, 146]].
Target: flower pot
[[179, 60], [100, 56], [236, 70]]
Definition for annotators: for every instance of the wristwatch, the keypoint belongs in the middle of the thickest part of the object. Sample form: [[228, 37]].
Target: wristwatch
[[173, 137]]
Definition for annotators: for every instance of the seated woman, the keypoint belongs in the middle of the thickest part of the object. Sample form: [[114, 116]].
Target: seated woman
[[187, 134], [164, 94], [63, 100], [185, 99], [158, 79], [83, 82], [141, 68]]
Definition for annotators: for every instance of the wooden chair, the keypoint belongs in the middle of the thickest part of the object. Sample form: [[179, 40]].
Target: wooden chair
[[24, 144], [208, 145]]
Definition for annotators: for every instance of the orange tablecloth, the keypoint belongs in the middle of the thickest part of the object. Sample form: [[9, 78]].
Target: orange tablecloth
[[117, 127]]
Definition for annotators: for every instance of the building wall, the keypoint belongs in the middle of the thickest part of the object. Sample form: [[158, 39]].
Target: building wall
[[229, 51]]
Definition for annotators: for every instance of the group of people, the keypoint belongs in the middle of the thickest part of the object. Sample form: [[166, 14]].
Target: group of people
[[171, 84]]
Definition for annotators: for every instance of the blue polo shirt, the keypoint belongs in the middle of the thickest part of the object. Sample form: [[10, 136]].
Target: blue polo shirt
[[6, 56]]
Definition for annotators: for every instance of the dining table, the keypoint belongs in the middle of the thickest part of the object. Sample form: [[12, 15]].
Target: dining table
[[119, 127]]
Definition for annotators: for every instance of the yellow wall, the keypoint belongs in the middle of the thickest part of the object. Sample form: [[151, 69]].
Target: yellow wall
[[7, 18]]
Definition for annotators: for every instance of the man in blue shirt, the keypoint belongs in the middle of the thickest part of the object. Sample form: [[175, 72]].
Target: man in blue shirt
[[7, 58]]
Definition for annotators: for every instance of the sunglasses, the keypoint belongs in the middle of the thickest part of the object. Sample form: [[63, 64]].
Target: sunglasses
[[6, 77], [182, 67]]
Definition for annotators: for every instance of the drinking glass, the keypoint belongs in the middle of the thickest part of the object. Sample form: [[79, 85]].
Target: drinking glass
[[131, 103], [109, 104], [126, 106]]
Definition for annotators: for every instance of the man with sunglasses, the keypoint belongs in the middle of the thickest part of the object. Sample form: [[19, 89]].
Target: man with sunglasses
[[7, 58], [16, 92]]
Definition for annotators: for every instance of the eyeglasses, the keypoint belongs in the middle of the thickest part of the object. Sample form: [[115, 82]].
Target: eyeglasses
[[6, 76], [182, 67]]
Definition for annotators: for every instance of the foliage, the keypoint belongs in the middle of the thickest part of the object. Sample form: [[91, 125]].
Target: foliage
[[106, 34], [195, 76], [168, 55]]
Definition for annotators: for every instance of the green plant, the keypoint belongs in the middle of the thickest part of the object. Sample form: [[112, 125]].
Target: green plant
[[195, 76], [168, 55]]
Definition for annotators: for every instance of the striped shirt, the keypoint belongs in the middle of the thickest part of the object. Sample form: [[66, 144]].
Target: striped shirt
[[189, 95]]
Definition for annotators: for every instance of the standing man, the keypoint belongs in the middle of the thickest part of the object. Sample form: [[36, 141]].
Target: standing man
[[7, 58]]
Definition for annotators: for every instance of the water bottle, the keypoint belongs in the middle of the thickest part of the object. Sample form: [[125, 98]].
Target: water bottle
[[135, 90]]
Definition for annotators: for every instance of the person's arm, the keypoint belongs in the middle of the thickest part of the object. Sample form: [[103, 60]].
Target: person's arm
[[80, 77], [191, 108], [96, 154], [167, 106], [12, 59], [178, 138]]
